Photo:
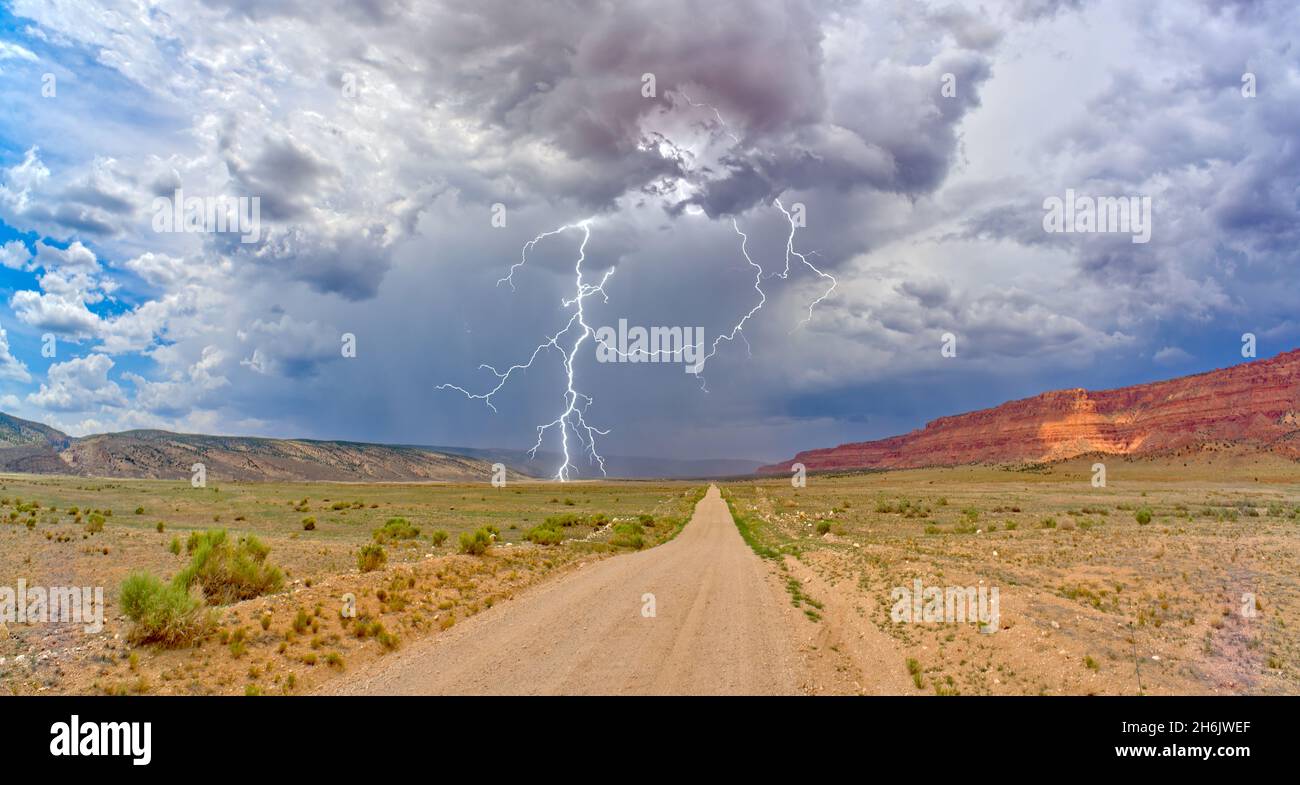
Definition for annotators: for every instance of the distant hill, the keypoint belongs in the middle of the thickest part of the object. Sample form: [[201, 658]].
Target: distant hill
[[1254, 405], [622, 466], [15, 432], [34, 448]]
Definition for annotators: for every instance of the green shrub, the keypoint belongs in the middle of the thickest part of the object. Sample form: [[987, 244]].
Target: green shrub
[[628, 535], [239, 643], [567, 520], [371, 557], [823, 527], [1143, 516], [95, 523], [309, 524], [438, 537], [748, 533], [545, 534], [139, 511], [229, 572], [175, 546], [160, 527], [396, 529], [595, 521], [162, 613], [914, 670], [476, 543]]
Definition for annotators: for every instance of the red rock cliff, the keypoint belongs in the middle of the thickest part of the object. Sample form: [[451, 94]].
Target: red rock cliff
[[1255, 403]]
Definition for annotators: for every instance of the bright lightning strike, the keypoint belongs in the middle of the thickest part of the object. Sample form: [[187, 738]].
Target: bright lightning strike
[[740, 325], [572, 419], [737, 330], [789, 247], [790, 251]]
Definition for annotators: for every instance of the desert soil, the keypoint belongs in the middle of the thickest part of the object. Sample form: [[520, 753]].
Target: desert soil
[[720, 624]]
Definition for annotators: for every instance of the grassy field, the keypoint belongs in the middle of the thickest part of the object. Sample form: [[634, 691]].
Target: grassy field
[[1177, 577], [62, 531]]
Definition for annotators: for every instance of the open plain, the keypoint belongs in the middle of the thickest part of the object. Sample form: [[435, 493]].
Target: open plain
[[1176, 577]]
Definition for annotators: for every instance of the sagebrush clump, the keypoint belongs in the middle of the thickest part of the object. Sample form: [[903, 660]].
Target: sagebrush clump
[[229, 572], [396, 529], [628, 535], [162, 613], [476, 542], [371, 557], [547, 533]]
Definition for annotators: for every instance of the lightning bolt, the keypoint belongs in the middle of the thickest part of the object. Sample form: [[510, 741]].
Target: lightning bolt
[[740, 325], [790, 251], [736, 331], [569, 340], [726, 128], [572, 419]]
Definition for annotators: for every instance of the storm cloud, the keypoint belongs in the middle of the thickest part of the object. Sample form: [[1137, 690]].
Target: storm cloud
[[403, 153]]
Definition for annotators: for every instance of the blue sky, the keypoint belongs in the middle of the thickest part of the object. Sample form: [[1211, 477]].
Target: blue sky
[[378, 138]]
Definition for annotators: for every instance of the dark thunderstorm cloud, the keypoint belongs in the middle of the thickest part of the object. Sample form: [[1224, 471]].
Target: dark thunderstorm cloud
[[376, 204]]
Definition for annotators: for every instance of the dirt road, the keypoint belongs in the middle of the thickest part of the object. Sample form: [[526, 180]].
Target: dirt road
[[719, 626]]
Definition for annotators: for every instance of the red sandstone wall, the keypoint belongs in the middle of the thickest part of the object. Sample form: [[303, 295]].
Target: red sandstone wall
[[1255, 403]]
